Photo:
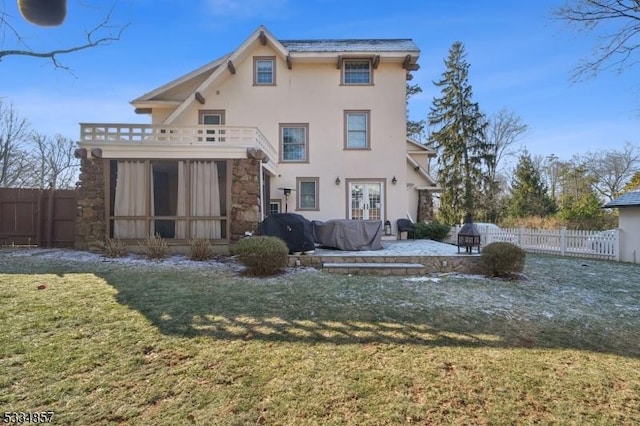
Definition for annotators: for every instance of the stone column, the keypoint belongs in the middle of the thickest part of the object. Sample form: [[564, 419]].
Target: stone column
[[90, 214], [245, 196], [425, 206]]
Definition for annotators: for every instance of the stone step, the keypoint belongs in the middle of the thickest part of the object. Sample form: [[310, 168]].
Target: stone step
[[369, 268]]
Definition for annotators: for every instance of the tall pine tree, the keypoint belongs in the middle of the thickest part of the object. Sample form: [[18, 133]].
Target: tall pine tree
[[460, 139], [529, 195]]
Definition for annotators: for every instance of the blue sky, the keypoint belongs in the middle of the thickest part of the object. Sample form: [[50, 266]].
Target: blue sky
[[520, 58]]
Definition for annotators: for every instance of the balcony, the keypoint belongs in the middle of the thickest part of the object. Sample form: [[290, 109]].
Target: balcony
[[146, 140]]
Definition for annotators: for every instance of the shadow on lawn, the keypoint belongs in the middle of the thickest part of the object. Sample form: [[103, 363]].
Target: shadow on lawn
[[246, 310]]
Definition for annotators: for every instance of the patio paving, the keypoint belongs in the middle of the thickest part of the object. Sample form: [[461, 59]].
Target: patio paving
[[394, 248]]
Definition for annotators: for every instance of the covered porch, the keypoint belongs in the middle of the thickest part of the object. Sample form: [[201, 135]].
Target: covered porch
[[180, 182]]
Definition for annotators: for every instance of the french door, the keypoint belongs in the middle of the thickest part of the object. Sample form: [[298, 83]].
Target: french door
[[366, 200]]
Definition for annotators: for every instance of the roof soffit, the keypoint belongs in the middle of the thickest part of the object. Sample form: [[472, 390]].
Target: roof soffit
[[164, 92], [237, 56]]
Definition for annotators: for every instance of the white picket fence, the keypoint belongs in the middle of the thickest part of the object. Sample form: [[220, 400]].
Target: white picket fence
[[591, 244]]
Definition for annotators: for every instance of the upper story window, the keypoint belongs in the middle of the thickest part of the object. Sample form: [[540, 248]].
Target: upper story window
[[294, 143], [212, 118], [264, 70], [356, 71], [356, 129]]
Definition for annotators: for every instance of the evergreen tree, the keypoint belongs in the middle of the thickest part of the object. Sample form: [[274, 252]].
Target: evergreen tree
[[579, 205], [529, 195], [460, 139], [414, 128], [634, 183]]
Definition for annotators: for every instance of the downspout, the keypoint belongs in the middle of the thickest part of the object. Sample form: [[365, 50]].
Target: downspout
[[261, 183]]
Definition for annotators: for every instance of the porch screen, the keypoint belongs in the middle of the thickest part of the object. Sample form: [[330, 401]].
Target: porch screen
[[200, 181], [128, 202], [185, 196]]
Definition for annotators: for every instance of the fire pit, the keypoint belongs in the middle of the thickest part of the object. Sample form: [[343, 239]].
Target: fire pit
[[469, 236]]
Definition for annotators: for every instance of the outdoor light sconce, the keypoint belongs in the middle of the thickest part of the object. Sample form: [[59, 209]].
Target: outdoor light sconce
[[394, 180], [338, 180]]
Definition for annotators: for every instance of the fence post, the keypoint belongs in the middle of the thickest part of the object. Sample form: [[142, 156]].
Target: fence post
[[563, 241], [616, 245], [50, 210], [521, 237]]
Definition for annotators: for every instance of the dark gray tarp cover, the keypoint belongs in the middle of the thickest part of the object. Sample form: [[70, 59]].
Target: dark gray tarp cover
[[292, 228], [349, 234]]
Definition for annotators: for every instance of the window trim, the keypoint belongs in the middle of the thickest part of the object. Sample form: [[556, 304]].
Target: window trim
[[316, 182], [281, 128], [365, 112], [203, 112], [277, 202], [256, 59], [343, 76]]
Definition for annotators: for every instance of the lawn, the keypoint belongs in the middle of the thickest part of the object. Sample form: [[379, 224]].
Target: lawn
[[102, 341]]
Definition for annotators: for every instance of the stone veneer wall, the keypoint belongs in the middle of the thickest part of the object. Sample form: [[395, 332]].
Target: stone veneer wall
[[425, 206], [90, 217], [245, 197], [462, 264]]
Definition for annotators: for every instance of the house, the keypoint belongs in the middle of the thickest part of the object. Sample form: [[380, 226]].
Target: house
[[314, 127], [628, 205]]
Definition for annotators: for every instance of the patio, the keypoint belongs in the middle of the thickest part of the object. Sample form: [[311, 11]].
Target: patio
[[397, 257]]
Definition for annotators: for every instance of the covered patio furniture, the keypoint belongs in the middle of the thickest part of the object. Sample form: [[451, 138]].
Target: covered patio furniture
[[351, 235]]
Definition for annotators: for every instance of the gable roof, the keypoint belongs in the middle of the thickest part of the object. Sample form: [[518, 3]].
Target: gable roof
[[183, 91], [176, 89], [351, 45], [417, 148], [629, 199]]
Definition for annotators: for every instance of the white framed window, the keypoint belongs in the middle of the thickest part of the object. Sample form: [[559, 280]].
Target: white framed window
[[294, 142], [307, 193], [264, 71], [275, 206], [212, 118], [356, 72], [356, 129]]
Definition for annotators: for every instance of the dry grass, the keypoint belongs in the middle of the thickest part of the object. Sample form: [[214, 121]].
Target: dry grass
[[110, 342]]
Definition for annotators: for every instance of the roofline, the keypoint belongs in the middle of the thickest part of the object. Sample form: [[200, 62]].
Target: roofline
[[260, 32], [170, 85], [432, 152]]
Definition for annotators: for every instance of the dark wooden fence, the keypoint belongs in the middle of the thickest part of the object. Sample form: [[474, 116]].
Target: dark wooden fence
[[37, 217]]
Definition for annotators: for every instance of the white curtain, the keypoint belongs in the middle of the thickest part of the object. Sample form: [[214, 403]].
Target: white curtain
[[130, 200], [204, 198]]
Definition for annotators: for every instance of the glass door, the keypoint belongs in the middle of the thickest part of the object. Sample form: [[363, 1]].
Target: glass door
[[366, 201]]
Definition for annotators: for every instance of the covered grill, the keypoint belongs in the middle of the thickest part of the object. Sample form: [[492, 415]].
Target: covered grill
[[469, 236]]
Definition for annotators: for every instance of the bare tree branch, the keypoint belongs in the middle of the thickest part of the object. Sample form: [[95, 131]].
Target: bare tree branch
[[14, 132], [94, 38], [612, 169], [617, 23], [53, 162]]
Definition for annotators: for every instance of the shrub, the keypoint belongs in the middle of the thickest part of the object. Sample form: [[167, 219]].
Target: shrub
[[501, 259], [200, 249], [262, 255], [113, 247], [155, 246], [432, 230]]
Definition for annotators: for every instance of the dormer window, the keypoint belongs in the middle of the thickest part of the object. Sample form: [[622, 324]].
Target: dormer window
[[356, 72], [264, 71]]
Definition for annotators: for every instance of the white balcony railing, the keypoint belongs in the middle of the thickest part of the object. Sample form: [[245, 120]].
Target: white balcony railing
[[223, 136]]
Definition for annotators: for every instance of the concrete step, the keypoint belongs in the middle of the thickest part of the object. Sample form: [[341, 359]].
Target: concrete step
[[377, 268]]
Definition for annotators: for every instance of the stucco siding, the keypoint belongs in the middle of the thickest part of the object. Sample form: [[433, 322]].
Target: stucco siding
[[311, 93], [629, 222]]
